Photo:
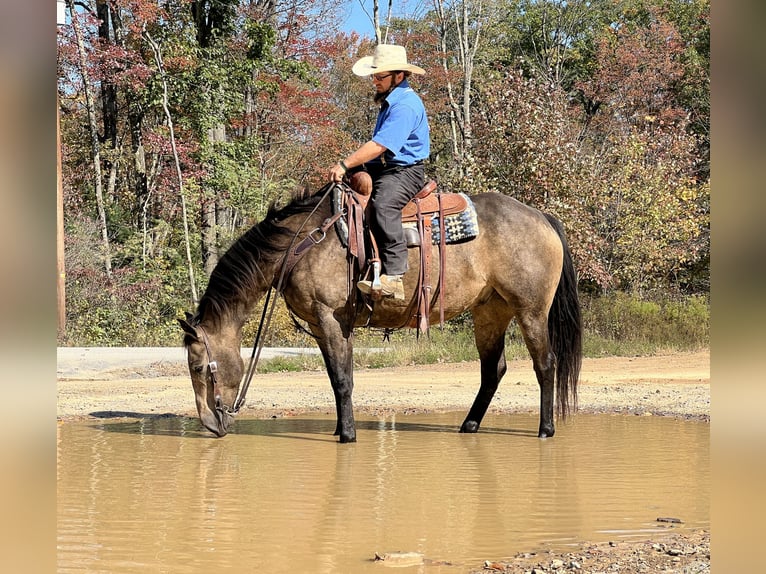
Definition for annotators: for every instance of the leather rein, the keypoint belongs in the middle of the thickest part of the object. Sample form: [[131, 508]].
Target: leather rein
[[289, 260]]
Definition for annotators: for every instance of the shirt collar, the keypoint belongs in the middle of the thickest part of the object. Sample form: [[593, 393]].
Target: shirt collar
[[398, 92]]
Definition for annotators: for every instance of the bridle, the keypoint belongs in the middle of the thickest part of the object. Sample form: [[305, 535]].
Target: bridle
[[212, 367], [292, 255]]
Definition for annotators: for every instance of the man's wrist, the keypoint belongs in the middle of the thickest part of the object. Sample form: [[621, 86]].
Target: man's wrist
[[342, 164]]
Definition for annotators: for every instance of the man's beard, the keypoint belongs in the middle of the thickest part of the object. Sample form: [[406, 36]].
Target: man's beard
[[380, 96]]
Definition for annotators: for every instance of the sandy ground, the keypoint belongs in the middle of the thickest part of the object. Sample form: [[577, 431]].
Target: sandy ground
[[154, 382]]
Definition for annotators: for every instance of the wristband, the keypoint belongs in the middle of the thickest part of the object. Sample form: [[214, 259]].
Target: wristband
[[343, 165]]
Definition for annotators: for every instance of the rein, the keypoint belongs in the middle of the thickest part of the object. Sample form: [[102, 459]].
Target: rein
[[292, 255]]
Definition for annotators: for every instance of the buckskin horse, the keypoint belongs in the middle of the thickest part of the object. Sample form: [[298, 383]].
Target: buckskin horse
[[517, 267]]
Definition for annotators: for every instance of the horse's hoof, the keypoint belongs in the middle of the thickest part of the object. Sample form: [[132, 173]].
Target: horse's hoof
[[346, 438], [470, 427], [546, 432]]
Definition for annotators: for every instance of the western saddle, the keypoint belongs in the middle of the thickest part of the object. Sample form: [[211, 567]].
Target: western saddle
[[418, 219]]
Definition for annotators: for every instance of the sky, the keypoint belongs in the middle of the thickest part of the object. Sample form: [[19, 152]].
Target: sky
[[356, 20]]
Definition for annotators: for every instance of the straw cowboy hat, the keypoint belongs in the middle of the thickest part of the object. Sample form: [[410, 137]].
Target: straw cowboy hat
[[386, 58]]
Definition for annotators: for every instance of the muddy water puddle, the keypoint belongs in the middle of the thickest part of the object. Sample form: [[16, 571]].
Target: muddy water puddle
[[282, 495]]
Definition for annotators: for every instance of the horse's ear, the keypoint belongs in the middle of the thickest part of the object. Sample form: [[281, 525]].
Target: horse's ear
[[190, 331]]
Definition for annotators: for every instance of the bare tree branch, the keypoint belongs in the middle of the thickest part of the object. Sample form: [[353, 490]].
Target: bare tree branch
[[161, 69]]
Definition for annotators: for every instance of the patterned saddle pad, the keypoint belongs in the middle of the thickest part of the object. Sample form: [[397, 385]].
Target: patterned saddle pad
[[458, 227]]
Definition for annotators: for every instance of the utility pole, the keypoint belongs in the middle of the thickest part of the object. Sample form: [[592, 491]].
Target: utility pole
[[60, 265]]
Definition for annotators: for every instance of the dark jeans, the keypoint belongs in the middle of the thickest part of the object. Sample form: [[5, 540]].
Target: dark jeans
[[393, 188]]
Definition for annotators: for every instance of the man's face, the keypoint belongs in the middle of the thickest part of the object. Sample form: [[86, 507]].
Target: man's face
[[385, 81]]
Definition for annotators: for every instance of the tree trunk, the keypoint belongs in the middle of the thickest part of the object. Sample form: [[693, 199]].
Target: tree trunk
[[108, 107], [95, 144], [210, 253], [454, 120], [108, 90], [468, 31], [135, 113], [140, 179]]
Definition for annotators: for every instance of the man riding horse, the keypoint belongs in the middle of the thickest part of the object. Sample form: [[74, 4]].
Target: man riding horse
[[393, 157]]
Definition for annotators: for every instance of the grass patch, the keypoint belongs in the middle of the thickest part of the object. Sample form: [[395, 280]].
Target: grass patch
[[620, 324], [617, 324], [291, 364]]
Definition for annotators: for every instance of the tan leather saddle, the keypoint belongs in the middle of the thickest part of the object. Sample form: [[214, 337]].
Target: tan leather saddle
[[426, 202], [420, 211]]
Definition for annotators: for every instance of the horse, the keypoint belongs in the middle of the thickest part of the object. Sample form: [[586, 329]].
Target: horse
[[518, 266]]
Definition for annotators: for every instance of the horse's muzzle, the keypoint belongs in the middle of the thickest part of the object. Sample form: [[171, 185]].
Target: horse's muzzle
[[217, 421]]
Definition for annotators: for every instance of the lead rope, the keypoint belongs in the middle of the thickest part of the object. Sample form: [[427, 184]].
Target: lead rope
[[255, 355], [265, 322]]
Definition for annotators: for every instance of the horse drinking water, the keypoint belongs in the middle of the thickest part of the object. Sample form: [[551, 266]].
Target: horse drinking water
[[517, 267]]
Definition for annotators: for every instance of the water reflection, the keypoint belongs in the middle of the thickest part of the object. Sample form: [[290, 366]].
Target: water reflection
[[284, 495]]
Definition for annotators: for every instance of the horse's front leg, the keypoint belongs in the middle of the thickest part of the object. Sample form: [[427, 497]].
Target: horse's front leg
[[342, 387], [337, 349]]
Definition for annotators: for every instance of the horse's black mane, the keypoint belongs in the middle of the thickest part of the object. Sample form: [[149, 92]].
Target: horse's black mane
[[247, 267]]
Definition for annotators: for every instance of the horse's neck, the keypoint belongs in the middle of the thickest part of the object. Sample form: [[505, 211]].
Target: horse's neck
[[227, 328], [228, 319]]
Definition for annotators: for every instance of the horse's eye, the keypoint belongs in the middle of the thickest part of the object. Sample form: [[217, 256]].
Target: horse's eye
[[198, 369]]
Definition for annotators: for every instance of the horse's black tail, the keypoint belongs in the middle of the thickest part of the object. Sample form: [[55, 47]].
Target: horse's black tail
[[565, 330]]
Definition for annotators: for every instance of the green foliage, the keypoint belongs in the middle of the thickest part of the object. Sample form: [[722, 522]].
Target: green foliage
[[260, 40], [128, 310], [595, 111], [620, 324], [654, 217], [628, 193], [306, 362], [454, 343], [283, 331]]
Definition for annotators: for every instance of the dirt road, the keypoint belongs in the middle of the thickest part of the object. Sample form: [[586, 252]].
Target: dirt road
[[153, 382]]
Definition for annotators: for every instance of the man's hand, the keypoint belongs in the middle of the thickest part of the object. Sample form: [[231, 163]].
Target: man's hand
[[336, 173]]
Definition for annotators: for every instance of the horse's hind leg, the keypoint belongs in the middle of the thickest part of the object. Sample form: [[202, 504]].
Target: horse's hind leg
[[534, 328], [490, 320]]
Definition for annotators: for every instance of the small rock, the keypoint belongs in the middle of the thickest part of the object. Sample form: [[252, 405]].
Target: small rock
[[556, 564], [575, 565], [675, 551], [398, 559]]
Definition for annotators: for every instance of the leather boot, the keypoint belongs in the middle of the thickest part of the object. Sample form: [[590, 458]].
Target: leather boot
[[391, 286]]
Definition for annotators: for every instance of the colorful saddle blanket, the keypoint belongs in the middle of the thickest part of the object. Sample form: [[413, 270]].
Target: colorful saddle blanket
[[460, 226]]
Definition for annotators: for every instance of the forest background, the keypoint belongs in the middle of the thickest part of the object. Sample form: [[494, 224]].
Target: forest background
[[181, 122]]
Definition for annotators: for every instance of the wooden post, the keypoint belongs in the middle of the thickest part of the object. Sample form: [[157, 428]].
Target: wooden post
[[60, 265]]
